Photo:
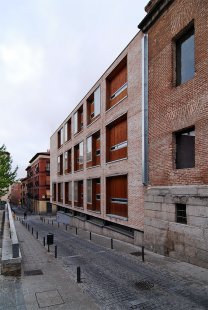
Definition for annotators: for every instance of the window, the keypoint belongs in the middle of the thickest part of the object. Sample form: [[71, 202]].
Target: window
[[60, 192], [68, 193], [60, 164], [54, 192], [185, 57], [47, 166], [93, 106], [60, 137], [93, 194], [181, 216], [68, 130], [116, 139], [78, 156], [185, 148], [117, 196], [78, 194], [93, 150], [116, 84], [67, 161], [81, 153], [78, 120]]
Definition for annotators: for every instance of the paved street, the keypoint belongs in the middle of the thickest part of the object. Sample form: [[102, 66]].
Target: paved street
[[116, 279]]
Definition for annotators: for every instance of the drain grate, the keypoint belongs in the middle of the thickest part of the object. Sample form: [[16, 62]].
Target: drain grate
[[35, 272], [144, 285], [137, 253]]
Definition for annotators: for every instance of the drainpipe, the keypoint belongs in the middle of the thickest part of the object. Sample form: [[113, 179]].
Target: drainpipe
[[145, 109]]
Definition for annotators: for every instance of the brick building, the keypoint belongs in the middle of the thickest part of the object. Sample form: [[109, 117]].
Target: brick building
[[23, 190], [176, 206], [38, 184], [15, 194], [96, 153]]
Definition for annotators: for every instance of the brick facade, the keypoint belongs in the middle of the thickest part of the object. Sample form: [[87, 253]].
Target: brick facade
[[173, 108], [131, 166]]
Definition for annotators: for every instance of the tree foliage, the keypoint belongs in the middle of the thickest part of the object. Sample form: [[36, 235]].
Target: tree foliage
[[7, 176]]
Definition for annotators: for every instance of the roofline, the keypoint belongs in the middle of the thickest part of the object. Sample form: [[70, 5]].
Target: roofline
[[155, 12], [38, 154]]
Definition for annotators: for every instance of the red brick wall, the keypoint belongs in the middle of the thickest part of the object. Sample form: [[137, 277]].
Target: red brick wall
[[173, 108]]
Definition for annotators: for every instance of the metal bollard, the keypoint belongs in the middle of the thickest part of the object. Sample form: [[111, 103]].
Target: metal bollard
[[78, 275], [43, 241], [52, 222], [48, 221], [36, 234], [143, 253], [55, 251], [76, 231], [32, 230], [58, 225], [44, 220], [48, 247], [111, 243], [90, 235]]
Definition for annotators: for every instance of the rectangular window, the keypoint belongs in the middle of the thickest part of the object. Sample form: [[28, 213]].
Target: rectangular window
[[60, 164], [117, 196], [68, 130], [81, 153], [78, 194], [93, 194], [93, 150], [78, 156], [93, 105], [89, 148], [48, 166], [116, 139], [68, 193], [54, 192], [60, 192], [116, 84], [78, 120], [60, 137], [181, 216], [185, 148], [67, 161], [185, 57]]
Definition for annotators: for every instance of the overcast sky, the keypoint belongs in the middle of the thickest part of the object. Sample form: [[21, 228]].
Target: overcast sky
[[51, 54]]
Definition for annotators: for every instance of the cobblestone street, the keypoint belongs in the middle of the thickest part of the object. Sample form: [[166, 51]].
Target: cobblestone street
[[119, 280]]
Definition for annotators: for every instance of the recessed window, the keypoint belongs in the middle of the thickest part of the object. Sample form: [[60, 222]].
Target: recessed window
[[78, 194], [93, 150], [60, 164], [116, 139], [54, 191], [185, 149], [60, 137], [78, 120], [68, 193], [67, 161], [93, 106], [78, 156], [116, 84], [60, 192], [185, 57], [68, 130], [181, 216], [93, 194]]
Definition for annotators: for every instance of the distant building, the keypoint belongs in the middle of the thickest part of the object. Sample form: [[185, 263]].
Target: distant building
[[38, 184], [23, 190], [15, 193]]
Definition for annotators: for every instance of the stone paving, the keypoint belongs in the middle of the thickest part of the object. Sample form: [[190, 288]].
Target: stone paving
[[118, 280]]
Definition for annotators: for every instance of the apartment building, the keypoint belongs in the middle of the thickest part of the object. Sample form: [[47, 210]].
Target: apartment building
[[23, 190], [15, 194], [176, 205], [96, 153], [38, 184]]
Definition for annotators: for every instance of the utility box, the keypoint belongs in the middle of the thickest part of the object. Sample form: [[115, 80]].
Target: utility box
[[50, 238]]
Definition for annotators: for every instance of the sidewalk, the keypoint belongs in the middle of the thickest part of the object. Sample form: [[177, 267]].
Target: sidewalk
[[51, 287]]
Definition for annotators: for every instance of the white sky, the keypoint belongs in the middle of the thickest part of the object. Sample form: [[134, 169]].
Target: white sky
[[51, 53]]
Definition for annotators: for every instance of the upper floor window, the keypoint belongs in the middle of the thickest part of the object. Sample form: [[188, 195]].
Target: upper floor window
[[93, 106], [185, 148], [67, 161], [78, 156], [60, 137], [93, 150], [78, 120], [116, 84], [67, 130], [60, 164], [47, 166], [116, 139], [185, 56]]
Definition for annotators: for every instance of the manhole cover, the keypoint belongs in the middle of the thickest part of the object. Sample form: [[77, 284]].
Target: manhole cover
[[49, 298], [137, 253], [35, 272], [144, 285]]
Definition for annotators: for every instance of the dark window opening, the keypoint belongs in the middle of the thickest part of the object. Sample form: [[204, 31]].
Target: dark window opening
[[181, 216], [185, 57], [185, 149]]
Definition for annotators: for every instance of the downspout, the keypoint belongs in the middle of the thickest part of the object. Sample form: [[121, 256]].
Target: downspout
[[145, 177]]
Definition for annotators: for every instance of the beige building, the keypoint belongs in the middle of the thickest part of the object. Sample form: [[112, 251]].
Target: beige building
[[96, 153]]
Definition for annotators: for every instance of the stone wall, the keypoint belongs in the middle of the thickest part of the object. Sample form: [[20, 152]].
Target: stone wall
[[162, 234]]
